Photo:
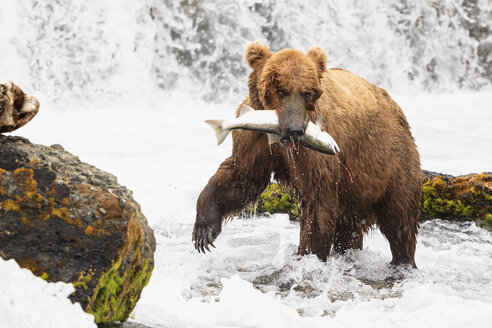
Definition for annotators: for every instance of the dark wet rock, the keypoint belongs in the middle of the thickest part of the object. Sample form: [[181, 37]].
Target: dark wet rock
[[430, 174], [67, 221]]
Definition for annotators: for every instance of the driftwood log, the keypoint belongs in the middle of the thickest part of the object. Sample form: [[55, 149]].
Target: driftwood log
[[16, 107]]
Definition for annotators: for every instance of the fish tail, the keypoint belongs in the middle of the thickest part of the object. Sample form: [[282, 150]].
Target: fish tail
[[220, 132]]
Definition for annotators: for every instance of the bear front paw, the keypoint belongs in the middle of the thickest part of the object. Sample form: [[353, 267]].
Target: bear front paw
[[204, 234]]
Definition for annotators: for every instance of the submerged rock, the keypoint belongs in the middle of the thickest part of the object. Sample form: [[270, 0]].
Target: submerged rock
[[68, 221]]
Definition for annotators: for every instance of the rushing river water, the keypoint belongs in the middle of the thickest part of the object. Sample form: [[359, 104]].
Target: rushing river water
[[67, 48], [165, 154], [115, 79]]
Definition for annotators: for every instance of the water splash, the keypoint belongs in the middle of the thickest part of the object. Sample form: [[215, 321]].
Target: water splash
[[260, 252]]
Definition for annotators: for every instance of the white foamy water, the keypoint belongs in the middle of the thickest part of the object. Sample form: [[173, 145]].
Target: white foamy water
[[121, 85], [27, 301], [76, 48], [165, 154]]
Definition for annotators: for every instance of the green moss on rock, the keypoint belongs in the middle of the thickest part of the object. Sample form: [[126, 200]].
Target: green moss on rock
[[82, 226], [277, 199], [485, 222], [463, 198], [118, 291], [83, 281]]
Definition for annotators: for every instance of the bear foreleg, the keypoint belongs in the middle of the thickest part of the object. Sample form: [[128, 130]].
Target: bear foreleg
[[228, 191]]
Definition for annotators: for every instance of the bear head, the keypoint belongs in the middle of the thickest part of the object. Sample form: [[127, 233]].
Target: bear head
[[287, 81]]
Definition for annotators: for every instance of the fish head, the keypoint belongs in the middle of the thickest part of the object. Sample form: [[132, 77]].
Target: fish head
[[290, 84]]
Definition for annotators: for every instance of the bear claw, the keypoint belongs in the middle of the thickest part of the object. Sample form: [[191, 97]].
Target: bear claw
[[202, 238]]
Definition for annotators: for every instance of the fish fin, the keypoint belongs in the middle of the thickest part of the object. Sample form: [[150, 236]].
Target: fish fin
[[220, 132], [273, 138], [245, 109], [319, 121]]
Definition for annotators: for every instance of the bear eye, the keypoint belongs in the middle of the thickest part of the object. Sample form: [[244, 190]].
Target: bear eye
[[307, 95], [280, 93]]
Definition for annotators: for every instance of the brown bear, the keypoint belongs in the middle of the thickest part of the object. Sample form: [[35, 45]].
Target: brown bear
[[376, 178]]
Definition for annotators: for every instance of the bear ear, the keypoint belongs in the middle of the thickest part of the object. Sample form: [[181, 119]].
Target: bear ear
[[256, 54], [318, 56]]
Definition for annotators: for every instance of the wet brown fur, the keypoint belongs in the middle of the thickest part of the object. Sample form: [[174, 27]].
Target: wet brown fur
[[375, 142]]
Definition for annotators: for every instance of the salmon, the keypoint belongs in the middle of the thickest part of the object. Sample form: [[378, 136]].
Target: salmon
[[266, 121]]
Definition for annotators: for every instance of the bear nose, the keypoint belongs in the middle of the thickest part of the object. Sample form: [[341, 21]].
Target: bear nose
[[295, 132]]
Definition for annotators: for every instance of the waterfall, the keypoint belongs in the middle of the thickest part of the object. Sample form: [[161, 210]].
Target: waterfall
[[79, 48]]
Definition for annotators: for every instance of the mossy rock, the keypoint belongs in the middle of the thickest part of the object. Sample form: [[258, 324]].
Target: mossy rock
[[68, 221], [462, 198], [485, 222], [276, 199]]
